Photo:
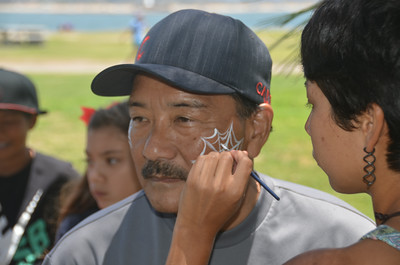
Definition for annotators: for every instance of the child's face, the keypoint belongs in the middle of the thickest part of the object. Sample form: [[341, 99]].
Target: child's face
[[14, 127], [110, 170]]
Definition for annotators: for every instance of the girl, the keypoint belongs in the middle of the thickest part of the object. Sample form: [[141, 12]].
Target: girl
[[110, 175]]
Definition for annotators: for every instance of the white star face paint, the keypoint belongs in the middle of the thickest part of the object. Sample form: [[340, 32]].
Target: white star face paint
[[219, 142]]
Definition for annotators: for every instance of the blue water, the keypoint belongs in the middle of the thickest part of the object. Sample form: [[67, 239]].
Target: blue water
[[106, 22]]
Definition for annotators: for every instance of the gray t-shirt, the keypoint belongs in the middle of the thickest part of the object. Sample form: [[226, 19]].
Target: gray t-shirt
[[131, 232]]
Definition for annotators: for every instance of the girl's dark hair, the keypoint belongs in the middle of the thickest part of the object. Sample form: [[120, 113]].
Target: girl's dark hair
[[117, 116], [75, 196], [350, 48]]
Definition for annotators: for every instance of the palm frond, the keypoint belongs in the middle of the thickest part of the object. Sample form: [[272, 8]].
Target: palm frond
[[296, 22]]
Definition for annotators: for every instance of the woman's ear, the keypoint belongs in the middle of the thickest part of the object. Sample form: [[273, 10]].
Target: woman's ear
[[373, 125], [258, 128]]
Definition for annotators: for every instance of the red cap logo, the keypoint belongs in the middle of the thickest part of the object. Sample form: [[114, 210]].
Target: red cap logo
[[140, 53], [263, 91]]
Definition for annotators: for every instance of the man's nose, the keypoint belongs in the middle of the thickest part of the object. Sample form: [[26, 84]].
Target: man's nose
[[160, 143]]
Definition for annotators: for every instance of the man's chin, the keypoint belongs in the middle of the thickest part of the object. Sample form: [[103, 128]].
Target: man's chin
[[164, 208], [164, 202], [163, 196]]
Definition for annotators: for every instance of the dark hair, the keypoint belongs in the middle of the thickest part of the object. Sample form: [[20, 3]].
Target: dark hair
[[75, 197], [244, 107], [117, 116], [351, 49]]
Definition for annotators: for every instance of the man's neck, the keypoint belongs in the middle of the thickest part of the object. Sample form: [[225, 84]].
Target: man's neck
[[250, 200]]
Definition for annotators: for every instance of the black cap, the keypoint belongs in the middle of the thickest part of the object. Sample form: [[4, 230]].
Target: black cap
[[17, 92], [197, 52]]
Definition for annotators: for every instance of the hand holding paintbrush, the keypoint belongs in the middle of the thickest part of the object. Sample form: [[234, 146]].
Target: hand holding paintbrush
[[257, 178]]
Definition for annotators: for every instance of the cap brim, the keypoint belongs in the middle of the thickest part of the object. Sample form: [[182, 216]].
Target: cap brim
[[11, 106], [117, 80]]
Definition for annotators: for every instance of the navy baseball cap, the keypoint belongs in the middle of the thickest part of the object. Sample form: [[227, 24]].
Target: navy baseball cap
[[17, 92], [198, 52]]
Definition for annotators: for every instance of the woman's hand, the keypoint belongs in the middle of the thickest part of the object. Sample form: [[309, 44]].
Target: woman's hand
[[213, 193]]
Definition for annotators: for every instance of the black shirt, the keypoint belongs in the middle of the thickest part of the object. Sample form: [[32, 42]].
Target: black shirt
[[12, 190]]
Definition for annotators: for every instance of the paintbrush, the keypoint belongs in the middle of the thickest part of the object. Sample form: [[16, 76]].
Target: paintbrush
[[257, 178]]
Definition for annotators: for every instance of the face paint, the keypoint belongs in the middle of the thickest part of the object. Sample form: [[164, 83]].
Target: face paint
[[219, 142], [129, 133]]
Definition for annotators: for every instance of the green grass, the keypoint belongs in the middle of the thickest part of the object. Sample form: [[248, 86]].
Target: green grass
[[60, 132], [287, 154], [107, 47], [67, 46]]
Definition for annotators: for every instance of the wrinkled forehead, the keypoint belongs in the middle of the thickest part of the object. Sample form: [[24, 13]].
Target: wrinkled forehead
[[148, 88]]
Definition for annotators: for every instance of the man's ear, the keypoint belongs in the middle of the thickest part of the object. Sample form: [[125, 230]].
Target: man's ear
[[32, 121], [373, 125], [259, 126]]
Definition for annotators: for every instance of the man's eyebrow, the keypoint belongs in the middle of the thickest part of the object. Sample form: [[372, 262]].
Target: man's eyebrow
[[188, 104], [136, 104], [185, 104]]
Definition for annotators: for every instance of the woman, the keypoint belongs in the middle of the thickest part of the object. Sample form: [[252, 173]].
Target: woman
[[351, 58], [110, 174]]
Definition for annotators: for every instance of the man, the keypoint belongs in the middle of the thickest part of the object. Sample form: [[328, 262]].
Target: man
[[137, 27], [29, 181], [200, 85]]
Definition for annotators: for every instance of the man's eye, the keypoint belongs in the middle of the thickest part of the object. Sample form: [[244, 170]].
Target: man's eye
[[89, 161], [183, 119], [9, 123], [138, 119]]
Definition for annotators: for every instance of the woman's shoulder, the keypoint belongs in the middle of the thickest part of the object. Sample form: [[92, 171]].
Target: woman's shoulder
[[386, 234]]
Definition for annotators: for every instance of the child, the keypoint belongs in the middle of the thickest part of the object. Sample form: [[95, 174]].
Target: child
[[110, 174], [29, 181]]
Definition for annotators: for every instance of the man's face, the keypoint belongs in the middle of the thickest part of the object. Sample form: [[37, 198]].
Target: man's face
[[167, 133], [14, 127]]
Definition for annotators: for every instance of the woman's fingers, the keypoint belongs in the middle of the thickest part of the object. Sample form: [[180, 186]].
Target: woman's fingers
[[213, 192]]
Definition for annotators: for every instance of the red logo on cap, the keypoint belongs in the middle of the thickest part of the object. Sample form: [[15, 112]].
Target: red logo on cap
[[140, 53], [263, 91]]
